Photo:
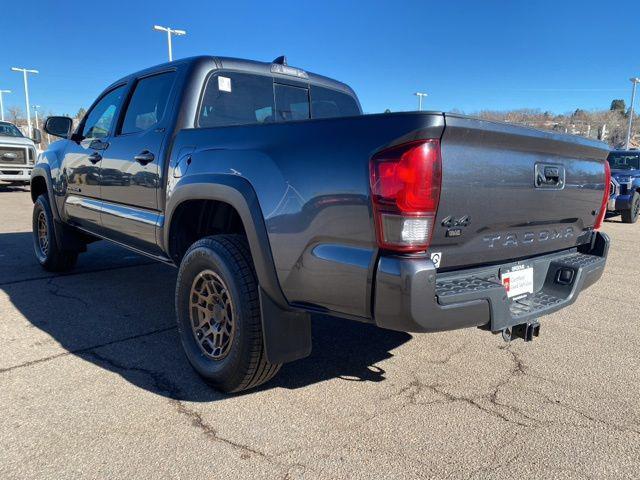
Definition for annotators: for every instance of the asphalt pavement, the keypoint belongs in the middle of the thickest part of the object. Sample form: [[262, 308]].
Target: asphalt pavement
[[94, 384]]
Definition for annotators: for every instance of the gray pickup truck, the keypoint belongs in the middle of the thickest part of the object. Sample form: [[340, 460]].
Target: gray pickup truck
[[276, 199]]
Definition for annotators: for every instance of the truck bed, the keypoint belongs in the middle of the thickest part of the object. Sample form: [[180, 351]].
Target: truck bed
[[312, 181]]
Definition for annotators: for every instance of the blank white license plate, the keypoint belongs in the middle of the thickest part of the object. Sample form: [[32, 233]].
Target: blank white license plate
[[518, 281]]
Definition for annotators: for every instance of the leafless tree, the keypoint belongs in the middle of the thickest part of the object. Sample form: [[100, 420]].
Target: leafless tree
[[15, 115], [579, 122]]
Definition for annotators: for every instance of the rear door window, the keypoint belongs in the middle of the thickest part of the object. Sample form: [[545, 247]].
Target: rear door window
[[148, 103], [328, 103], [292, 103], [236, 99]]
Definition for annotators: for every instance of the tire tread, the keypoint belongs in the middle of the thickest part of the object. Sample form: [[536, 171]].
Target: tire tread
[[235, 247], [58, 260]]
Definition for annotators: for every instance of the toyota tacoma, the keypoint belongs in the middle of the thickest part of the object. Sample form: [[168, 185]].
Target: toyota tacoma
[[276, 198]]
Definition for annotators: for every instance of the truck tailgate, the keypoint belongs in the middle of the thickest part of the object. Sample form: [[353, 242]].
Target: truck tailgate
[[511, 192]]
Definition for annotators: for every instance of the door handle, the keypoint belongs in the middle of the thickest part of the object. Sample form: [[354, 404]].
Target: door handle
[[95, 157], [98, 145], [144, 157]]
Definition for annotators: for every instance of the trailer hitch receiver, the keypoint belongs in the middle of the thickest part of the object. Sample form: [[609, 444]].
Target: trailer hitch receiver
[[526, 331]]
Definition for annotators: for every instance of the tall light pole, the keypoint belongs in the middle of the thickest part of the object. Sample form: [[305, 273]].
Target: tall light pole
[[2, 104], [26, 93], [420, 95], [170, 31], [635, 81], [35, 110]]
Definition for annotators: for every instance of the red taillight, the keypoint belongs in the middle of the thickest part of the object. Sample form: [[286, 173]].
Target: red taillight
[[605, 196], [405, 187]]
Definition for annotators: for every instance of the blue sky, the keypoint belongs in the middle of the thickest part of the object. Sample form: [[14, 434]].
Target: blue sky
[[468, 55]]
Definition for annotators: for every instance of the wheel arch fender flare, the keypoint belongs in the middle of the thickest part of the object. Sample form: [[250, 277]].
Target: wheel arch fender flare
[[237, 192], [286, 330], [42, 170]]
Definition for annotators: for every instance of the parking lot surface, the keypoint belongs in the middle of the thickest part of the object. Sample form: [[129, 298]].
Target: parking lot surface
[[94, 384]]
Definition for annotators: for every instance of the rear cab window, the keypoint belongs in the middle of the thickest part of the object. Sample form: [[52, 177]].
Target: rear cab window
[[235, 98], [329, 103], [292, 103]]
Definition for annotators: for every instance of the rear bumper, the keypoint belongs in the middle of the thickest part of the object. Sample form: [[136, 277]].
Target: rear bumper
[[410, 296]]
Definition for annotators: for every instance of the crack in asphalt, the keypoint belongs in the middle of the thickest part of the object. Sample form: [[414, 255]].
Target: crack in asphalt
[[75, 273], [84, 349], [55, 291], [496, 461], [161, 383], [521, 369], [419, 386], [586, 416], [415, 387]]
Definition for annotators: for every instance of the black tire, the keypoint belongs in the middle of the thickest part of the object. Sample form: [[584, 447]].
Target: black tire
[[631, 215], [244, 365], [52, 256]]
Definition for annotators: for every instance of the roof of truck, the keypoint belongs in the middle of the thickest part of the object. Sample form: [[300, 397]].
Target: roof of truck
[[252, 66]]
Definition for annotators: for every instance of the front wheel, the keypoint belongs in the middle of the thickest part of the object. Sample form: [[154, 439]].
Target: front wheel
[[218, 314], [48, 253], [631, 215]]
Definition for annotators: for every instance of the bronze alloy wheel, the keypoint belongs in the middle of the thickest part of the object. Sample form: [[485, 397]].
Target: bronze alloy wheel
[[211, 314], [43, 237]]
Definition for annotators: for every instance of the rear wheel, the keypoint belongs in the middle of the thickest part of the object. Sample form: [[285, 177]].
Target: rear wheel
[[631, 215], [218, 314], [49, 253]]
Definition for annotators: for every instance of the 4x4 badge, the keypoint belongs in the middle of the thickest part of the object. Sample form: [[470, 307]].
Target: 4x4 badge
[[450, 221]]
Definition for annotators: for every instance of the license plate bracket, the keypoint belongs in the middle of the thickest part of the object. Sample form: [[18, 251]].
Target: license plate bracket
[[517, 280]]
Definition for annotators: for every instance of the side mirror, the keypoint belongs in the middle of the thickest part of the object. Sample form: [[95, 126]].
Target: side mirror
[[58, 126], [37, 136]]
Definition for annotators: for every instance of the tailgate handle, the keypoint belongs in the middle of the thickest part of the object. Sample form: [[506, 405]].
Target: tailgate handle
[[552, 175], [549, 176]]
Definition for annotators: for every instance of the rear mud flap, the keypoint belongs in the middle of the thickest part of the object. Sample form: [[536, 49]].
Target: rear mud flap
[[287, 333]]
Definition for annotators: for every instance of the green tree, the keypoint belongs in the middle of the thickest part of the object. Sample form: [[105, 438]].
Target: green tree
[[81, 113], [618, 105]]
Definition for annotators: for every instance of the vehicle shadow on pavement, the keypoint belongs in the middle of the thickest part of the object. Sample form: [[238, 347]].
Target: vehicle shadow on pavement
[[6, 187], [120, 317], [612, 218]]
